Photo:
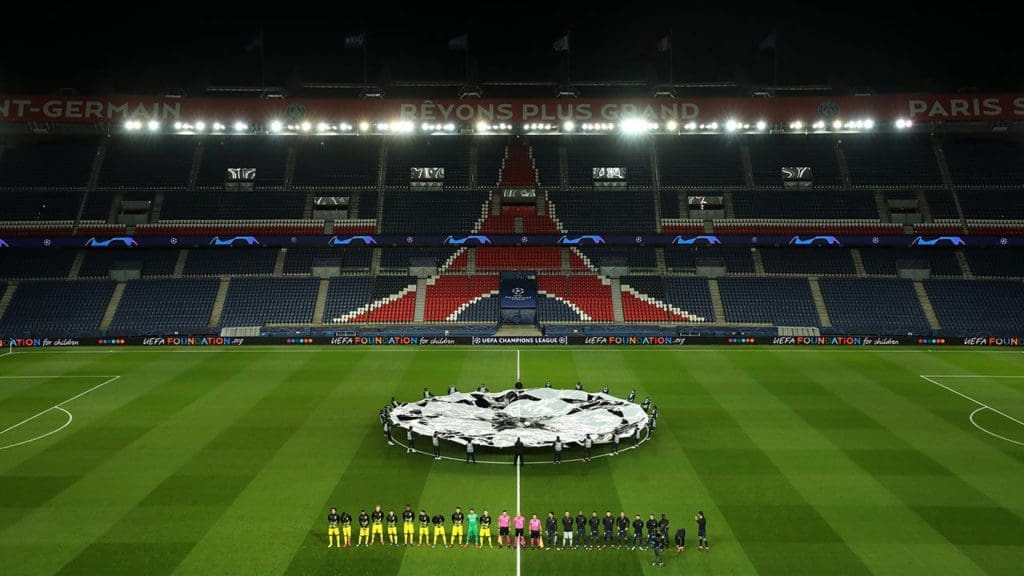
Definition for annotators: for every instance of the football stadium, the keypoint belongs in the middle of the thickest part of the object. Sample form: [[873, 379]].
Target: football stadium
[[537, 329]]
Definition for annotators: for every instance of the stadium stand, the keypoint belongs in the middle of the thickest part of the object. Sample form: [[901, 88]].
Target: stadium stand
[[484, 309], [227, 261], [49, 163], [995, 262], [584, 153], [165, 306], [891, 160], [870, 306], [35, 204], [546, 157], [346, 295], [152, 262], [807, 260], [885, 261], [984, 161], [259, 301], [452, 154], [148, 161], [978, 307], [807, 204], [769, 154], [36, 263], [737, 260], [604, 211], [339, 163], [445, 212], [699, 162], [267, 156], [777, 301], [65, 309], [447, 296]]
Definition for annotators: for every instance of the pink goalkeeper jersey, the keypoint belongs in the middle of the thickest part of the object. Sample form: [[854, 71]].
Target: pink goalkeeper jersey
[[535, 524], [520, 522], [503, 521]]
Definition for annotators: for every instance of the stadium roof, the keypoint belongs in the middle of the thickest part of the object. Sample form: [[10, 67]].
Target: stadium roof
[[849, 48]]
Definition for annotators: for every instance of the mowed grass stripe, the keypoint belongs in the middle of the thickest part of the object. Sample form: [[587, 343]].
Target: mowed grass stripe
[[275, 510], [915, 472], [376, 473], [98, 472], [210, 480], [106, 494], [940, 427], [784, 525], [847, 495], [39, 473], [663, 468]]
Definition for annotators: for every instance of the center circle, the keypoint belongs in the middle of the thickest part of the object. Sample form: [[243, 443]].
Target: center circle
[[534, 416]]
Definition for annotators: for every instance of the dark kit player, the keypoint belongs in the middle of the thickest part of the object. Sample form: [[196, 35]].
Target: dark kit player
[[702, 532]]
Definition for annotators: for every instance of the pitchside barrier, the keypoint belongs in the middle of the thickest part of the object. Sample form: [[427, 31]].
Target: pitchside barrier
[[228, 341]]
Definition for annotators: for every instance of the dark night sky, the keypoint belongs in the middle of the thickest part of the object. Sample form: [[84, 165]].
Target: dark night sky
[[883, 48]]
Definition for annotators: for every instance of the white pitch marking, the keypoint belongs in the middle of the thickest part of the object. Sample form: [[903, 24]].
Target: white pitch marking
[[54, 407], [41, 436], [989, 432], [979, 403]]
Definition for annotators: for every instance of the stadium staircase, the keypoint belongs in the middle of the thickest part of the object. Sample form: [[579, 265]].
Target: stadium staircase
[[321, 301], [758, 261], [115, 301], [8, 295], [616, 287], [76, 266], [819, 302], [179, 264], [858, 263], [218, 302], [926, 306], [421, 299], [716, 301], [279, 262], [965, 267]]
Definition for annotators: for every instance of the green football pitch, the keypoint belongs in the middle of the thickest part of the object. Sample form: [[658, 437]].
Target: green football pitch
[[226, 461]]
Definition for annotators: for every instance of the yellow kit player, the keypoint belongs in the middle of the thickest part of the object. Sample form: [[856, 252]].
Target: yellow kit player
[[408, 519], [346, 528], [424, 528], [485, 530], [364, 529], [392, 521], [333, 531], [438, 520], [457, 518], [377, 525]]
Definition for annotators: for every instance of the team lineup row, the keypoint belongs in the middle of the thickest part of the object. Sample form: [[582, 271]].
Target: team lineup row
[[593, 532]]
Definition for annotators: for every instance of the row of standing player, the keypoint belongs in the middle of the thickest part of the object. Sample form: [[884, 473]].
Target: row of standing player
[[575, 530]]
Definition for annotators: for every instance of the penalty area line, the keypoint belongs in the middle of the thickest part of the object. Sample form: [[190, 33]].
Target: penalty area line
[[982, 405], [59, 407]]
